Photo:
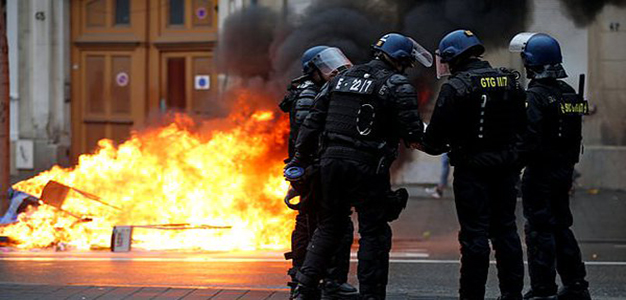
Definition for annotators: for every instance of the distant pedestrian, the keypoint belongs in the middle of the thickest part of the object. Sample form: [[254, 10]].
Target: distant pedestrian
[[437, 191]]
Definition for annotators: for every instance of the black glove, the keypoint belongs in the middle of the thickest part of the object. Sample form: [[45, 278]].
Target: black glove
[[396, 202], [296, 161]]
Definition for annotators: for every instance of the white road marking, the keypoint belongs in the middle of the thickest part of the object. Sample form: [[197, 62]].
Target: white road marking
[[418, 253], [247, 259]]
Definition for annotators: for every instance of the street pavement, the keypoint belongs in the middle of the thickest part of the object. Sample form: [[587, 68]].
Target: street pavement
[[424, 262]]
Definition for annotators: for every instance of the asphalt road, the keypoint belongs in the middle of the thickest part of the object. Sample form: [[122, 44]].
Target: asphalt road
[[424, 260]]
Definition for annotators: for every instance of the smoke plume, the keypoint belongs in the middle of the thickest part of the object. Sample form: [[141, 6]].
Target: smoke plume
[[583, 12], [244, 45], [257, 43]]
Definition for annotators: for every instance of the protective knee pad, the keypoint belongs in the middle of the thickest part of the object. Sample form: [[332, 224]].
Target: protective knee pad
[[377, 246], [474, 244]]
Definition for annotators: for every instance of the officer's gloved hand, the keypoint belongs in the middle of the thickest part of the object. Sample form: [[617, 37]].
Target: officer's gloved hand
[[296, 161], [396, 203]]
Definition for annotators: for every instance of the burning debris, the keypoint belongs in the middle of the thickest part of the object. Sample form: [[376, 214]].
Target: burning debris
[[122, 236], [181, 176]]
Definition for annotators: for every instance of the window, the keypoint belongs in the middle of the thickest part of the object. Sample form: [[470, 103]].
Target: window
[[177, 12], [122, 12]]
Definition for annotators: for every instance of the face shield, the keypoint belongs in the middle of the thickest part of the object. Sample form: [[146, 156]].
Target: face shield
[[421, 55], [330, 61], [443, 69], [518, 43]]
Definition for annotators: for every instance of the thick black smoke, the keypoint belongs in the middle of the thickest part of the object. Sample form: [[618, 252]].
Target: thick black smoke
[[257, 42], [494, 22], [584, 12], [244, 45], [351, 26]]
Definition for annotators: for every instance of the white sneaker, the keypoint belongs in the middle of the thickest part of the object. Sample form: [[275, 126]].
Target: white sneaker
[[434, 192]]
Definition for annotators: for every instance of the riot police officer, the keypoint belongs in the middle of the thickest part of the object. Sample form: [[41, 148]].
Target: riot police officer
[[319, 64], [361, 115], [478, 117], [550, 149]]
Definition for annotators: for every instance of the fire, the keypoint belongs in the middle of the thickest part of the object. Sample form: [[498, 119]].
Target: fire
[[218, 173]]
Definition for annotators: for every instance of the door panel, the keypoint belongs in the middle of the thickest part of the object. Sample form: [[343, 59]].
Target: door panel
[[187, 81], [93, 133], [203, 93], [108, 87], [175, 83], [94, 84], [128, 55], [120, 89]]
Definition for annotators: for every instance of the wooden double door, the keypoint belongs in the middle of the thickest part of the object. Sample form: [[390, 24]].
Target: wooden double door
[[135, 58]]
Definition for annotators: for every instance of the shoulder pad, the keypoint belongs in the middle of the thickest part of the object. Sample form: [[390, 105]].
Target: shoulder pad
[[509, 71], [306, 84], [543, 93], [397, 79], [308, 93], [297, 81], [460, 83], [383, 73], [542, 89], [565, 88]]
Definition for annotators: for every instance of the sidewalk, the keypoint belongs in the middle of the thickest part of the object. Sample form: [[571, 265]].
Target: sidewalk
[[24, 292], [53, 292]]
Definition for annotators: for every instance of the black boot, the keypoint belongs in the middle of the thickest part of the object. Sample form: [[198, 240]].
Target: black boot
[[332, 290], [531, 295], [577, 291], [303, 292], [293, 283]]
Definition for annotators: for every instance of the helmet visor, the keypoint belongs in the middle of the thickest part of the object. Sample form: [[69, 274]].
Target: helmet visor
[[443, 69], [518, 43], [420, 54], [329, 61]]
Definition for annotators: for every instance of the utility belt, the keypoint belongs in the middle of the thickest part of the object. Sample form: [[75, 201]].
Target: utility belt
[[374, 153], [494, 157], [552, 157]]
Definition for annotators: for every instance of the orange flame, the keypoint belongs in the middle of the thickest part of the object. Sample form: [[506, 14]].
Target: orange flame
[[184, 172]]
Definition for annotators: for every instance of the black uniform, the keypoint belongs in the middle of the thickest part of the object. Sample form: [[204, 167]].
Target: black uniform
[[480, 115], [298, 103], [551, 148], [361, 115]]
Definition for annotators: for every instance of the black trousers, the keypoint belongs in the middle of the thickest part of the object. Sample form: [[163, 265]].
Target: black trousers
[[306, 223], [485, 202], [345, 184], [551, 243]]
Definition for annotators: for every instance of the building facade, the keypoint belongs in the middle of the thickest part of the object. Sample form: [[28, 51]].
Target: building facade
[[82, 70], [91, 69]]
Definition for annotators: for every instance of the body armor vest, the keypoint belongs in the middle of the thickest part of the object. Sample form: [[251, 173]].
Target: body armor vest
[[562, 127], [298, 103], [356, 111], [488, 110]]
